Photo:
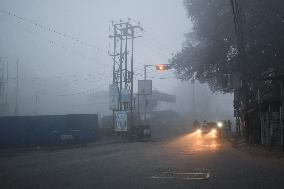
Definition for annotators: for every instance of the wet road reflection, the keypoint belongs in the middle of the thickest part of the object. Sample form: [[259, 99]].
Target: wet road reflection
[[197, 143]]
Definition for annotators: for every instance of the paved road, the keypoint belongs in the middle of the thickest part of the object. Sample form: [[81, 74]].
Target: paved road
[[203, 161]]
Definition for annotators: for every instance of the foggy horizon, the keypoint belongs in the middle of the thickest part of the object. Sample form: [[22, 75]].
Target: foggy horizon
[[57, 74]]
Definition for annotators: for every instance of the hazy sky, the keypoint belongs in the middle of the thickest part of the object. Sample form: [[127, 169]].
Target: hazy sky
[[62, 71], [164, 21]]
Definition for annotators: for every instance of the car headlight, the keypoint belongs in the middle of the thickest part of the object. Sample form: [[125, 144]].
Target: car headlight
[[220, 124]]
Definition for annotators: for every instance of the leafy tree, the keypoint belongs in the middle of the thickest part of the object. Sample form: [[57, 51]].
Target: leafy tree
[[210, 51]]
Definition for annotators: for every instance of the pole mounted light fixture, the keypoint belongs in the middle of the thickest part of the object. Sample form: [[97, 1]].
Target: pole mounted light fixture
[[162, 67]]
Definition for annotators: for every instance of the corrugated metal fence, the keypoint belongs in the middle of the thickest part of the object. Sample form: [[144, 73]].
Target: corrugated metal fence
[[48, 129]]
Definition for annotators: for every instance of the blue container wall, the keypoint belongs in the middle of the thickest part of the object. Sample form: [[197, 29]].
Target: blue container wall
[[46, 130], [83, 127]]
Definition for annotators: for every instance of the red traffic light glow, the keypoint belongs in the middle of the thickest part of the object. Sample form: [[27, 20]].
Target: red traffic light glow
[[161, 67]]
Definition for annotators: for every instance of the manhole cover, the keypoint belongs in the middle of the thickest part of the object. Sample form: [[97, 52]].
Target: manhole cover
[[179, 174]]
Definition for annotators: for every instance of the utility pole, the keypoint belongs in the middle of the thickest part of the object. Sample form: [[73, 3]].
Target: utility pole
[[144, 96], [36, 102], [193, 101], [281, 114], [132, 71], [123, 31], [7, 85], [145, 72], [120, 71], [160, 67], [238, 23], [3, 85], [17, 88], [125, 57]]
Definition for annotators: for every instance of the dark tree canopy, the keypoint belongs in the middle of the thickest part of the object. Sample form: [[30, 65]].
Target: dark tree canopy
[[210, 51]]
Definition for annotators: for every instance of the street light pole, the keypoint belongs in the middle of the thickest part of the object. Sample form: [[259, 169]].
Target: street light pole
[[145, 72], [160, 67], [144, 96]]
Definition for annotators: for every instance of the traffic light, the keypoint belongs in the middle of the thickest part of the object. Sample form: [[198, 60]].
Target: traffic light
[[162, 67]]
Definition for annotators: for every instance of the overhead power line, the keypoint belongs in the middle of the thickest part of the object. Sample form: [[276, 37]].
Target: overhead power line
[[90, 91], [46, 28], [154, 39], [153, 50], [158, 43], [157, 49], [69, 49]]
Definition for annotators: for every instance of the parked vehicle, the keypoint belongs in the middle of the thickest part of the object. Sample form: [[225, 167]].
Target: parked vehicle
[[142, 132]]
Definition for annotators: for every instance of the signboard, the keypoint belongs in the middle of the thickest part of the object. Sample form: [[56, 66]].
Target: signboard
[[113, 96], [125, 95], [144, 87], [120, 121]]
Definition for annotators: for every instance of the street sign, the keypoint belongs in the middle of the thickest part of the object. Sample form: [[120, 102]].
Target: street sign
[[120, 121], [144, 87], [125, 95]]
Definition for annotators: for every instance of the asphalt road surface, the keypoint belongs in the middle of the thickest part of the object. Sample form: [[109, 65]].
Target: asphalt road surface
[[186, 161]]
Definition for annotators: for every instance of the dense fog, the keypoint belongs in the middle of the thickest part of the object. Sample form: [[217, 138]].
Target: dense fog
[[57, 75]]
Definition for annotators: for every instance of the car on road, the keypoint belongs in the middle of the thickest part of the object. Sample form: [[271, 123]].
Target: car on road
[[142, 132], [208, 129]]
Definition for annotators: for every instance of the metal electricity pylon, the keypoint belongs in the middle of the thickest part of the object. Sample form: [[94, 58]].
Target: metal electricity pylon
[[123, 37]]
